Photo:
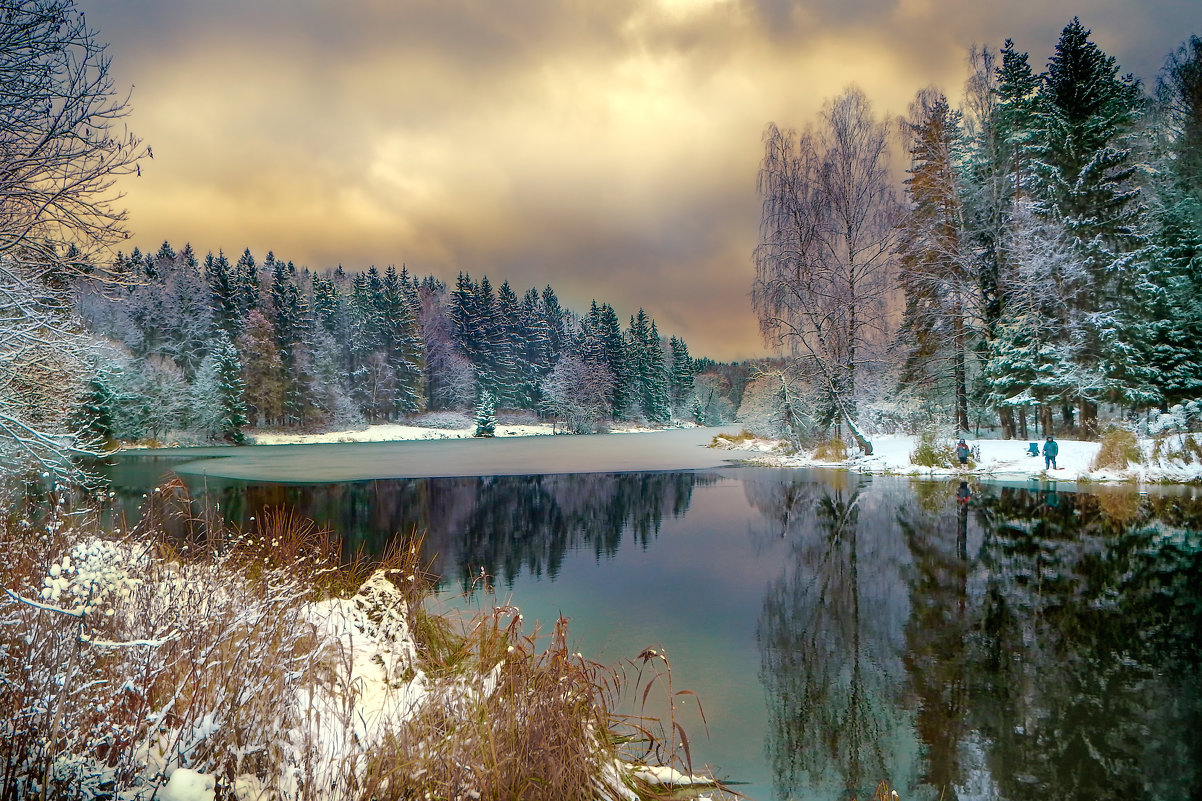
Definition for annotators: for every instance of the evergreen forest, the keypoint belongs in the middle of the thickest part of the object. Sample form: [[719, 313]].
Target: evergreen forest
[[209, 347]]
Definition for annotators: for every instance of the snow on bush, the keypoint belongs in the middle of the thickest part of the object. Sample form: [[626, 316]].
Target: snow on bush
[[1179, 418], [136, 667]]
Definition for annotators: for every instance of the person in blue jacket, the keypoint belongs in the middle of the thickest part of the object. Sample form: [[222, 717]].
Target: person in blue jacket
[[1050, 449]]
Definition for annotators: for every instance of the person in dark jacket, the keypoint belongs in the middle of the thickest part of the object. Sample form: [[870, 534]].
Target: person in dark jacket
[[1050, 449], [962, 453]]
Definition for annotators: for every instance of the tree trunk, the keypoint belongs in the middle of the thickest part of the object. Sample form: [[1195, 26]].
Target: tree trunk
[[1089, 418], [959, 372], [1045, 417], [1006, 417]]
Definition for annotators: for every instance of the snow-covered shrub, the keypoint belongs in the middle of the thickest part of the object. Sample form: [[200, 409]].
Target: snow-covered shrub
[[124, 660], [241, 663], [1178, 418], [517, 417]]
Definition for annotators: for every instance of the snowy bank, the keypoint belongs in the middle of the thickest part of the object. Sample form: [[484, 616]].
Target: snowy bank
[[1163, 461], [240, 665]]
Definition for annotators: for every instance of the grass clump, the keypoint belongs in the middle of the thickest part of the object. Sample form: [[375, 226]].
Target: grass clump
[[933, 449], [729, 440], [831, 450], [1119, 449]]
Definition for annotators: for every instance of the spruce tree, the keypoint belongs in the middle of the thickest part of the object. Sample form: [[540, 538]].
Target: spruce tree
[[222, 294], [93, 419], [486, 417], [402, 344], [613, 353], [1082, 178], [681, 376], [657, 405], [507, 348], [1175, 334], [246, 283]]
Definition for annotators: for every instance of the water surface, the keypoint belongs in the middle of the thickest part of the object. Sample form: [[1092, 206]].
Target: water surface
[[965, 642]]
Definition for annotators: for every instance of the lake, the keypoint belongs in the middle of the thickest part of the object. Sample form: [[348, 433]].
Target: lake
[[966, 641]]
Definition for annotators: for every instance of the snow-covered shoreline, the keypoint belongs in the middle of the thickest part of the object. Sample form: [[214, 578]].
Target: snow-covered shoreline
[[997, 460], [398, 432], [388, 432], [228, 674]]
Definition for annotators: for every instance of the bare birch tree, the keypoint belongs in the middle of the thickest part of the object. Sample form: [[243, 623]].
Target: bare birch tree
[[827, 249], [62, 145]]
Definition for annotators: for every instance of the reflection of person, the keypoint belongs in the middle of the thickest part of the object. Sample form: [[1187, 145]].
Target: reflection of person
[[962, 453], [1050, 449], [964, 493]]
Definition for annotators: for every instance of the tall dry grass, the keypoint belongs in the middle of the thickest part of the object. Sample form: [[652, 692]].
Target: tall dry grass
[[1120, 448]]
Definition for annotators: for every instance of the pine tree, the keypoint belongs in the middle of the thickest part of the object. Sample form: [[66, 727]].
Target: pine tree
[[937, 275]]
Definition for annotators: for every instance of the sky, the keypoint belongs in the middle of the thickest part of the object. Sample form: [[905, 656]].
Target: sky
[[607, 147]]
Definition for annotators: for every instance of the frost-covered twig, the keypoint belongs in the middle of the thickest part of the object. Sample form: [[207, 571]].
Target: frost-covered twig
[[77, 612]]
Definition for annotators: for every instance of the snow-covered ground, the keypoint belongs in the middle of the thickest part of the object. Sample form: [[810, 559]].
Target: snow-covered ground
[[1000, 459], [391, 432]]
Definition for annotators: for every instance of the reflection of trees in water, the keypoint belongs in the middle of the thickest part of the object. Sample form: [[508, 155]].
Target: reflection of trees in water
[[830, 657], [1085, 662], [1059, 659], [935, 529], [501, 524]]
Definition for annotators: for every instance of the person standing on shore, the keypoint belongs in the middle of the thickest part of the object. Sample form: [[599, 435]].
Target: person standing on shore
[[962, 453], [1050, 449]]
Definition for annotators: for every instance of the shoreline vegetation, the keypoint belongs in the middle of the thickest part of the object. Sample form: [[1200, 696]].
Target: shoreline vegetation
[[1120, 457], [184, 660]]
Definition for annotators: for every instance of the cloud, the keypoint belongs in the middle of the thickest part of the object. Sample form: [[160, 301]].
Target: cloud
[[608, 148]]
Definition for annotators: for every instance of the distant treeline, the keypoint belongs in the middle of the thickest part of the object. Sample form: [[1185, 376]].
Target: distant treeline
[[210, 347]]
